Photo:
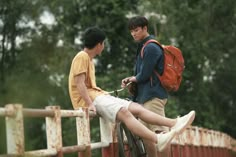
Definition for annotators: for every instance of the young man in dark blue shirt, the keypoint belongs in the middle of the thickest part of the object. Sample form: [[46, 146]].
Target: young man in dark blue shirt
[[149, 92]]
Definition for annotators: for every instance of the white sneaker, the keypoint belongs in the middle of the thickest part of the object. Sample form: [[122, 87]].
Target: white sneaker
[[183, 122], [163, 139]]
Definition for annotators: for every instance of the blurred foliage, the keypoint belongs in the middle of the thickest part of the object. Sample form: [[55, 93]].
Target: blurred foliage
[[35, 56]]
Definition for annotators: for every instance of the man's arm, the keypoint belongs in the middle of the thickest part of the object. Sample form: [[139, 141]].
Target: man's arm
[[79, 80], [151, 58]]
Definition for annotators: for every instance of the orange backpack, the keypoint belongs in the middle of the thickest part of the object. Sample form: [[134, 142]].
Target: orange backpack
[[173, 66]]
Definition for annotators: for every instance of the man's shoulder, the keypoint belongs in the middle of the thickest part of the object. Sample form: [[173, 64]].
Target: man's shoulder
[[81, 55], [152, 46]]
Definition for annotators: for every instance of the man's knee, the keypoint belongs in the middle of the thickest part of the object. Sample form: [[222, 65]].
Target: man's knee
[[123, 113], [136, 109]]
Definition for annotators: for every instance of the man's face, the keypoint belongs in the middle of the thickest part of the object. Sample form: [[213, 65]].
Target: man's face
[[139, 33], [100, 48]]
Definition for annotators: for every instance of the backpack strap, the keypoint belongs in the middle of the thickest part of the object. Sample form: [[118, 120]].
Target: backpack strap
[[147, 42], [142, 53]]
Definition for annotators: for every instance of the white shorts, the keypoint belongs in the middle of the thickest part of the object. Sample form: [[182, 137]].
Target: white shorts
[[108, 106]]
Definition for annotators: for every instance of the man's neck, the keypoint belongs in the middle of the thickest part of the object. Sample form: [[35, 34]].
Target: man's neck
[[146, 35], [90, 52]]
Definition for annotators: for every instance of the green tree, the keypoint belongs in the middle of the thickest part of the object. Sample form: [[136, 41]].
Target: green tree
[[205, 32], [34, 71], [35, 55]]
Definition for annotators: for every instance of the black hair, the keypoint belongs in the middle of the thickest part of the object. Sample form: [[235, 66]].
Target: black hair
[[137, 21], [92, 36]]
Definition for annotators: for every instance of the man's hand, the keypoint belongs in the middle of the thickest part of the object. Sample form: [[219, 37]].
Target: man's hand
[[92, 108], [127, 80], [124, 82]]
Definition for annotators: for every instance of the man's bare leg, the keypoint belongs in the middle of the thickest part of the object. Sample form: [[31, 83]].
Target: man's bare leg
[[149, 116], [159, 140], [178, 124], [135, 126]]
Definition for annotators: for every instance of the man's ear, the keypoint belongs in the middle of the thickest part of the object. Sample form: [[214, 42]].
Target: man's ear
[[145, 28], [97, 45]]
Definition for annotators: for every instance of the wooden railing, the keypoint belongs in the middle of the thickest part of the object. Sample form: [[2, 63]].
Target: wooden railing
[[194, 141]]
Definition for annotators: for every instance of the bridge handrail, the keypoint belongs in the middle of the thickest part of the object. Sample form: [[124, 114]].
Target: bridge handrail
[[15, 114]]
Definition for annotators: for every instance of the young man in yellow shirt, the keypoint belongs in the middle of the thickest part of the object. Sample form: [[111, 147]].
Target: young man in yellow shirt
[[85, 93]]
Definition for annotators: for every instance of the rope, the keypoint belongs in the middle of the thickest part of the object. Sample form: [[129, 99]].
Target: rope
[[119, 90]]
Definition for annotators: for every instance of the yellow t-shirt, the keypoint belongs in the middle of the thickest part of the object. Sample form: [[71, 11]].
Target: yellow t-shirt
[[83, 64]]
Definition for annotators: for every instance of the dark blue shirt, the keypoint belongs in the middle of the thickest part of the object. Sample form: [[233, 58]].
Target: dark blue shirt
[[153, 59]]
